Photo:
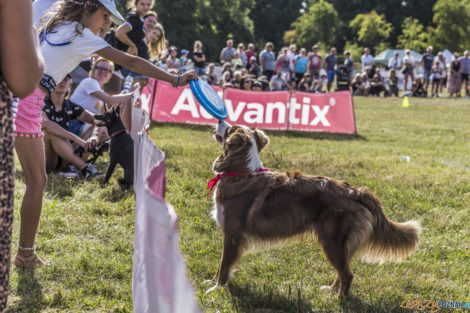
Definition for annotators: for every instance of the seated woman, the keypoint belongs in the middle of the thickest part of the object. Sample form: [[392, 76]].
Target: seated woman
[[393, 83], [210, 74], [90, 95], [376, 85], [418, 88], [58, 141], [305, 83]]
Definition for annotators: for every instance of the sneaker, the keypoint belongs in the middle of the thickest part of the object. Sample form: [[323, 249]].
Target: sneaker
[[90, 172], [70, 171]]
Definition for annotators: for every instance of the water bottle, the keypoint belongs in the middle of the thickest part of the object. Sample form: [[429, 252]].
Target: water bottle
[[127, 86]]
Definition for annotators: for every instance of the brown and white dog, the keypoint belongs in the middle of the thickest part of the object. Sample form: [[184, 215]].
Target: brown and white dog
[[253, 205]]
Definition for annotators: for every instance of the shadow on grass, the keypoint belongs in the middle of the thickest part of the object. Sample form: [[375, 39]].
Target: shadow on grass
[[114, 193], [354, 304], [248, 300], [293, 134], [30, 293]]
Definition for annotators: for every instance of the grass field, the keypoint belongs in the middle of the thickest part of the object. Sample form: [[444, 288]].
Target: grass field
[[87, 232]]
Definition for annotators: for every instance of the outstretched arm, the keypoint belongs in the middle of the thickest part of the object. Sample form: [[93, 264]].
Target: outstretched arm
[[143, 67]]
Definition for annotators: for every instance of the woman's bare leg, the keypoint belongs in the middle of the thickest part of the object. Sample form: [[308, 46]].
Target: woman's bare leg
[[30, 152]]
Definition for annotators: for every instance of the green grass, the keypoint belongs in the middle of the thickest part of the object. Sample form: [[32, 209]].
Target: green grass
[[87, 231]]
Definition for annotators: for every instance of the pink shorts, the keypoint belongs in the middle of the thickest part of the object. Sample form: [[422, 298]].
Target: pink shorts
[[28, 119]]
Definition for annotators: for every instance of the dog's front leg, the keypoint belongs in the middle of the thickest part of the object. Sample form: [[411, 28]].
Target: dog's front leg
[[232, 252]]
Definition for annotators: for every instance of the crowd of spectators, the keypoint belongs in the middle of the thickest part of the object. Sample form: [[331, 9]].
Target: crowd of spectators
[[298, 69]]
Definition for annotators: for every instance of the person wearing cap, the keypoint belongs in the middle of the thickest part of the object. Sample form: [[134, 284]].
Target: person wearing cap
[[184, 60], [250, 53], [314, 62], [59, 142], [253, 67], [66, 38]]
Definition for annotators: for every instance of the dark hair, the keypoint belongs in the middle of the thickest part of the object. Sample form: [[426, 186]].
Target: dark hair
[[70, 11]]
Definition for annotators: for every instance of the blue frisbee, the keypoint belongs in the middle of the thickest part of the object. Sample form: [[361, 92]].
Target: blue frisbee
[[208, 98]]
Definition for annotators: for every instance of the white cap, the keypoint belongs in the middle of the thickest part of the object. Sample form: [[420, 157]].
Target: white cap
[[111, 6]]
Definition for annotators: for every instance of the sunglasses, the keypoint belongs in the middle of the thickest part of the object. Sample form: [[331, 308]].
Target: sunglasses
[[103, 69]]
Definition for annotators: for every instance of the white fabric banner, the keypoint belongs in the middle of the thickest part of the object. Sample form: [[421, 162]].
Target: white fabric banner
[[159, 281]]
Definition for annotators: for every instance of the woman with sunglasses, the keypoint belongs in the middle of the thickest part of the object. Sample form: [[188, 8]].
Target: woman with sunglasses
[[89, 95]]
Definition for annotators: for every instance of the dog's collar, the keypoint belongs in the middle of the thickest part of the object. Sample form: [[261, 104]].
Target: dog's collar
[[118, 132], [213, 182]]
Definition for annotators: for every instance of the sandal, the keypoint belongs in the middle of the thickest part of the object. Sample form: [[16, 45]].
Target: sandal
[[29, 262]]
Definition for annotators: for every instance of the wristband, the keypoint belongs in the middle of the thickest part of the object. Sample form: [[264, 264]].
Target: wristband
[[178, 78]]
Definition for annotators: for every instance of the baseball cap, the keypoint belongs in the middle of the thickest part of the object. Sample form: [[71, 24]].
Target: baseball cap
[[184, 51], [110, 5]]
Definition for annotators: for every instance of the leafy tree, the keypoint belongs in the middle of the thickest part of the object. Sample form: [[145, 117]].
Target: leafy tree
[[395, 11], [319, 24], [414, 36], [452, 26], [371, 28], [272, 18]]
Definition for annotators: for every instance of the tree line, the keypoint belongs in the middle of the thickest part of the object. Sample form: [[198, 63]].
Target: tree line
[[345, 24]]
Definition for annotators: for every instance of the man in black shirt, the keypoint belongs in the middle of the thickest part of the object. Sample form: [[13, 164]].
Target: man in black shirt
[[58, 141]]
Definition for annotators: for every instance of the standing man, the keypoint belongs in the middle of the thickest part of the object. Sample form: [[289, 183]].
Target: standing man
[[426, 62], [367, 60], [227, 53], [331, 60], [349, 63], [465, 63], [314, 63], [267, 61]]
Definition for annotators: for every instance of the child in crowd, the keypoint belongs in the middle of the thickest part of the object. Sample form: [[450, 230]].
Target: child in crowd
[[393, 83], [68, 37], [436, 73], [211, 77], [172, 61], [184, 60], [132, 34], [253, 67]]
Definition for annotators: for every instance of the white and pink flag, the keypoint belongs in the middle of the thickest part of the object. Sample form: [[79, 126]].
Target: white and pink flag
[[159, 280]]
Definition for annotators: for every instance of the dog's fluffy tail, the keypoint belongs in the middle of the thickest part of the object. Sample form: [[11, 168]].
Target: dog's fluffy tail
[[389, 241]]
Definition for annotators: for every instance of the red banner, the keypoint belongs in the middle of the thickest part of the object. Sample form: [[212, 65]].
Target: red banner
[[277, 110]]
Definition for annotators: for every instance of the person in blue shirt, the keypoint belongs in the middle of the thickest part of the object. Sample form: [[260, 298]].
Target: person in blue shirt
[[331, 61]]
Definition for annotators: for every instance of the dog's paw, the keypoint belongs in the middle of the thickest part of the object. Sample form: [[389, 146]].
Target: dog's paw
[[212, 289], [327, 289], [207, 282]]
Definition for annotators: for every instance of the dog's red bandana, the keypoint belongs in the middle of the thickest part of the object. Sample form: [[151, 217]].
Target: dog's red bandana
[[213, 182]]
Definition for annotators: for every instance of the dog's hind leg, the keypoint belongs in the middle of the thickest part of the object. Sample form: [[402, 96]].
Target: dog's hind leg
[[232, 252], [337, 253]]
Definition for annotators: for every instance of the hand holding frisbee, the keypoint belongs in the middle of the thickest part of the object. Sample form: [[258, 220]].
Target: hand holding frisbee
[[209, 99], [188, 76]]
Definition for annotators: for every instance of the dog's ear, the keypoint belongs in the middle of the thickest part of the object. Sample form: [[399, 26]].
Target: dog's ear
[[238, 138], [262, 140], [99, 117]]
